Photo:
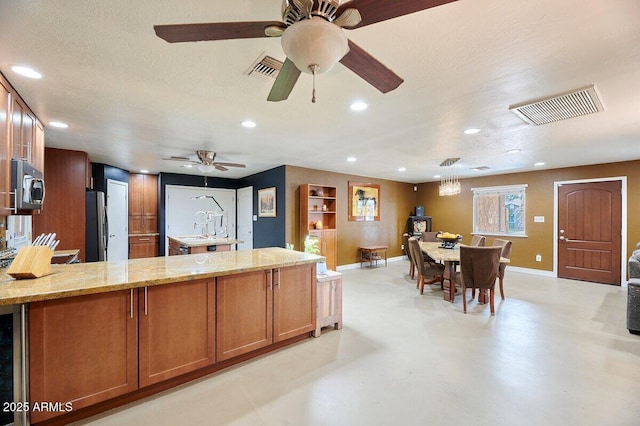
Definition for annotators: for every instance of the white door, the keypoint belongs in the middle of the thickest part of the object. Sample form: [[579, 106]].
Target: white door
[[118, 220], [245, 218], [186, 213]]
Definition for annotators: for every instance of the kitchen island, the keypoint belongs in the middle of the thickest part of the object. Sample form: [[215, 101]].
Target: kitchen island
[[107, 333], [191, 244]]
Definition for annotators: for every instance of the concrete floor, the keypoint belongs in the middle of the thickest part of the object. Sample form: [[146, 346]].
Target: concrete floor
[[557, 352]]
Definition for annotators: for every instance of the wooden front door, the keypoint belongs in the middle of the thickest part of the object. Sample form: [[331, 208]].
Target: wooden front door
[[589, 231]]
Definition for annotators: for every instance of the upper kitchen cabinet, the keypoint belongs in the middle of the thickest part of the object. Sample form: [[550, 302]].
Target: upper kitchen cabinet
[[143, 204], [5, 148], [21, 137]]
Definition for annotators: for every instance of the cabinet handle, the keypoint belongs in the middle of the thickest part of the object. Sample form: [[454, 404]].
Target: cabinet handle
[[270, 279], [278, 279], [145, 302], [144, 239], [131, 303], [15, 201]]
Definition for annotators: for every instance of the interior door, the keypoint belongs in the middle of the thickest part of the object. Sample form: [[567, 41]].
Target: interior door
[[118, 220], [245, 218], [590, 231]]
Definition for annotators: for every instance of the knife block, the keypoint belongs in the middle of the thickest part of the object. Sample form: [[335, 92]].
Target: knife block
[[31, 262]]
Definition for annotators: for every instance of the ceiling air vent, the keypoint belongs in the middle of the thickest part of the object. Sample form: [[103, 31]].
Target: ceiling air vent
[[572, 104], [265, 67]]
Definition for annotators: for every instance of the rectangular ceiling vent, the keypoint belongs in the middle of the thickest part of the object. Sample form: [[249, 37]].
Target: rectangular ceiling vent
[[560, 107], [449, 162], [265, 67]]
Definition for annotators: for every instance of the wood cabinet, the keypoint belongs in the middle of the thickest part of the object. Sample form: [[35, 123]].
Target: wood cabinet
[[177, 329], [21, 137], [143, 204], [5, 148], [64, 207], [82, 350], [257, 309], [143, 246], [328, 301], [318, 210]]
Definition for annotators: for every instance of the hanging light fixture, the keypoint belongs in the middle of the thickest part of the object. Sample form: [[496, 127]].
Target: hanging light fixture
[[449, 184]]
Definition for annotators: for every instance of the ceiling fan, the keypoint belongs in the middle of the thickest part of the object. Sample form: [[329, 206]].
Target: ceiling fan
[[312, 38], [206, 162]]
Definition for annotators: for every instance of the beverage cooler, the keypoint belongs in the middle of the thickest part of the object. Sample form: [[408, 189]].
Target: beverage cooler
[[12, 366]]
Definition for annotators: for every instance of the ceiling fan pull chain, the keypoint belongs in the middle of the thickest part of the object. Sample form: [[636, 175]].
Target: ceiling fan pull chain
[[314, 70]]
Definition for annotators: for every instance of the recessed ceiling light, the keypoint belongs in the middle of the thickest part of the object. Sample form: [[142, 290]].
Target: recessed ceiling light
[[514, 151], [26, 71], [248, 124], [436, 176], [359, 106], [471, 131], [58, 124], [402, 169], [539, 163], [352, 159], [144, 171]]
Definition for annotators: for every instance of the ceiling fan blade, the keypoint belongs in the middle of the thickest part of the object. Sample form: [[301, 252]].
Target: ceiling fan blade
[[214, 31], [373, 11], [174, 158], [219, 167], [349, 18], [370, 69], [222, 163], [287, 78]]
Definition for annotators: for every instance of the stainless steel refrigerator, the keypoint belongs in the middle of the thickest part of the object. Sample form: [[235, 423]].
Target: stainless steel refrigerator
[[97, 227]]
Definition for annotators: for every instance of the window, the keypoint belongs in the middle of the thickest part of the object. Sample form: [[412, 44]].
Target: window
[[499, 210]]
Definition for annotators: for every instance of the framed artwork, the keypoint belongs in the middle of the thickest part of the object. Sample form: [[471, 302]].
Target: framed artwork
[[267, 202], [364, 201]]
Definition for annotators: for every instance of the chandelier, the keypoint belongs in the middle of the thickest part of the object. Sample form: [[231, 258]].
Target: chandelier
[[449, 184]]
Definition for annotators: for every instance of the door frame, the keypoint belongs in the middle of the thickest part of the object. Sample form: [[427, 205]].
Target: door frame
[[623, 239]]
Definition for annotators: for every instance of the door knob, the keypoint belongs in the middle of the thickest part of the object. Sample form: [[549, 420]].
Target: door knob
[[562, 238], [112, 235]]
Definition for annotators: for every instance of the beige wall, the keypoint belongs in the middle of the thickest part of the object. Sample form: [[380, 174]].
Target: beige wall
[[396, 204], [455, 214]]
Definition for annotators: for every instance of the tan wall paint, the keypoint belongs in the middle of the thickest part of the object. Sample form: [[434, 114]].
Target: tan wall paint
[[396, 204], [455, 214]]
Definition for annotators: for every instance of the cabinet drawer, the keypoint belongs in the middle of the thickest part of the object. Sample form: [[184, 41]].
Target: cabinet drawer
[[143, 239]]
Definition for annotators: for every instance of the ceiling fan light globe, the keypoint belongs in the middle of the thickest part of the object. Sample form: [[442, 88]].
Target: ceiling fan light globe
[[206, 168], [314, 41]]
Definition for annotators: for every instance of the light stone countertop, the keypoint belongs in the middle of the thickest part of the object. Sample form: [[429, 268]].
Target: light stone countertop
[[101, 277], [200, 240]]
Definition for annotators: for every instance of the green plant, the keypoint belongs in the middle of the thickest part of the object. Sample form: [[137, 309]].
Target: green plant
[[311, 244]]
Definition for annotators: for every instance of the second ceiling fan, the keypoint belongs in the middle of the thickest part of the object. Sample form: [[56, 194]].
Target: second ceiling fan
[[312, 38]]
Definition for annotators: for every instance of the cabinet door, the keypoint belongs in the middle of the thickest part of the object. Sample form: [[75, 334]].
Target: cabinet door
[[330, 248], [244, 317], [177, 332], [28, 135], [149, 223], [37, 149], [83, 349], [294, 301], [16, 123], [150, 195], [5, 149], [136, 191]]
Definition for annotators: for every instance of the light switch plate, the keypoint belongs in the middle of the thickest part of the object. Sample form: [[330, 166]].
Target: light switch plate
[[538, 219], [255, 217]]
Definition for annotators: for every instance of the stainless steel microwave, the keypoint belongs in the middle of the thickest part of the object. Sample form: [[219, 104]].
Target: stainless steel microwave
[[27, 186]]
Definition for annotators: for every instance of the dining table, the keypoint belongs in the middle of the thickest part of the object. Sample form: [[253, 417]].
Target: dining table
[[450, 257]]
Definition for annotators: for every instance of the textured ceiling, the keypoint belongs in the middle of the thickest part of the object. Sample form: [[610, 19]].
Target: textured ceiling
[[131, 99]]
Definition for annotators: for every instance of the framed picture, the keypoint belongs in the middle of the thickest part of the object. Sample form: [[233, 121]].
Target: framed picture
[[364, 201], [267, 202]]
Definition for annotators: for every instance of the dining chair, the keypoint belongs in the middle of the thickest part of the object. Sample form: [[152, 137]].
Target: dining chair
[[429, 272], [478, 240], [429, 237], [412, 266], [506, 253], [478, 269]]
